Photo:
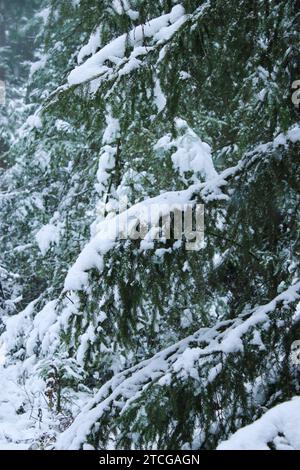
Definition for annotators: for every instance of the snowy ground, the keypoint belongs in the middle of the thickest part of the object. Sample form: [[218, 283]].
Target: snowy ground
[[17, 431], [25, 419]]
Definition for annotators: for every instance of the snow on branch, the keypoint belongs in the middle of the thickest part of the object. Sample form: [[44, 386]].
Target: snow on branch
[[277, 429], [180, 359], [20, 325], [109, 229], [127, 52], [155, 31], [106, 237]]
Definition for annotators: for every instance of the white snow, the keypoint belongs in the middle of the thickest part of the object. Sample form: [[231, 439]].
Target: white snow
[[47, 235], [88, 337], [2, 354], [42, 330], [192, 154], [43, 159], [108, 152], [21, 396], [38, 65], [44, 14], [17, 326], [280, 426], [91, 47], [123, 7], [112, 131], [34, 122], [160, 99], [282, 139], [158, 29], [293, 134]]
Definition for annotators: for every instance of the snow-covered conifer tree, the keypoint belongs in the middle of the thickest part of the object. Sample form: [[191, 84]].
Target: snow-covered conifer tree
[[144, 344]]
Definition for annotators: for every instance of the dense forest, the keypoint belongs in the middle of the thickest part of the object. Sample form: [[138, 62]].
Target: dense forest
[[146, 341]]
